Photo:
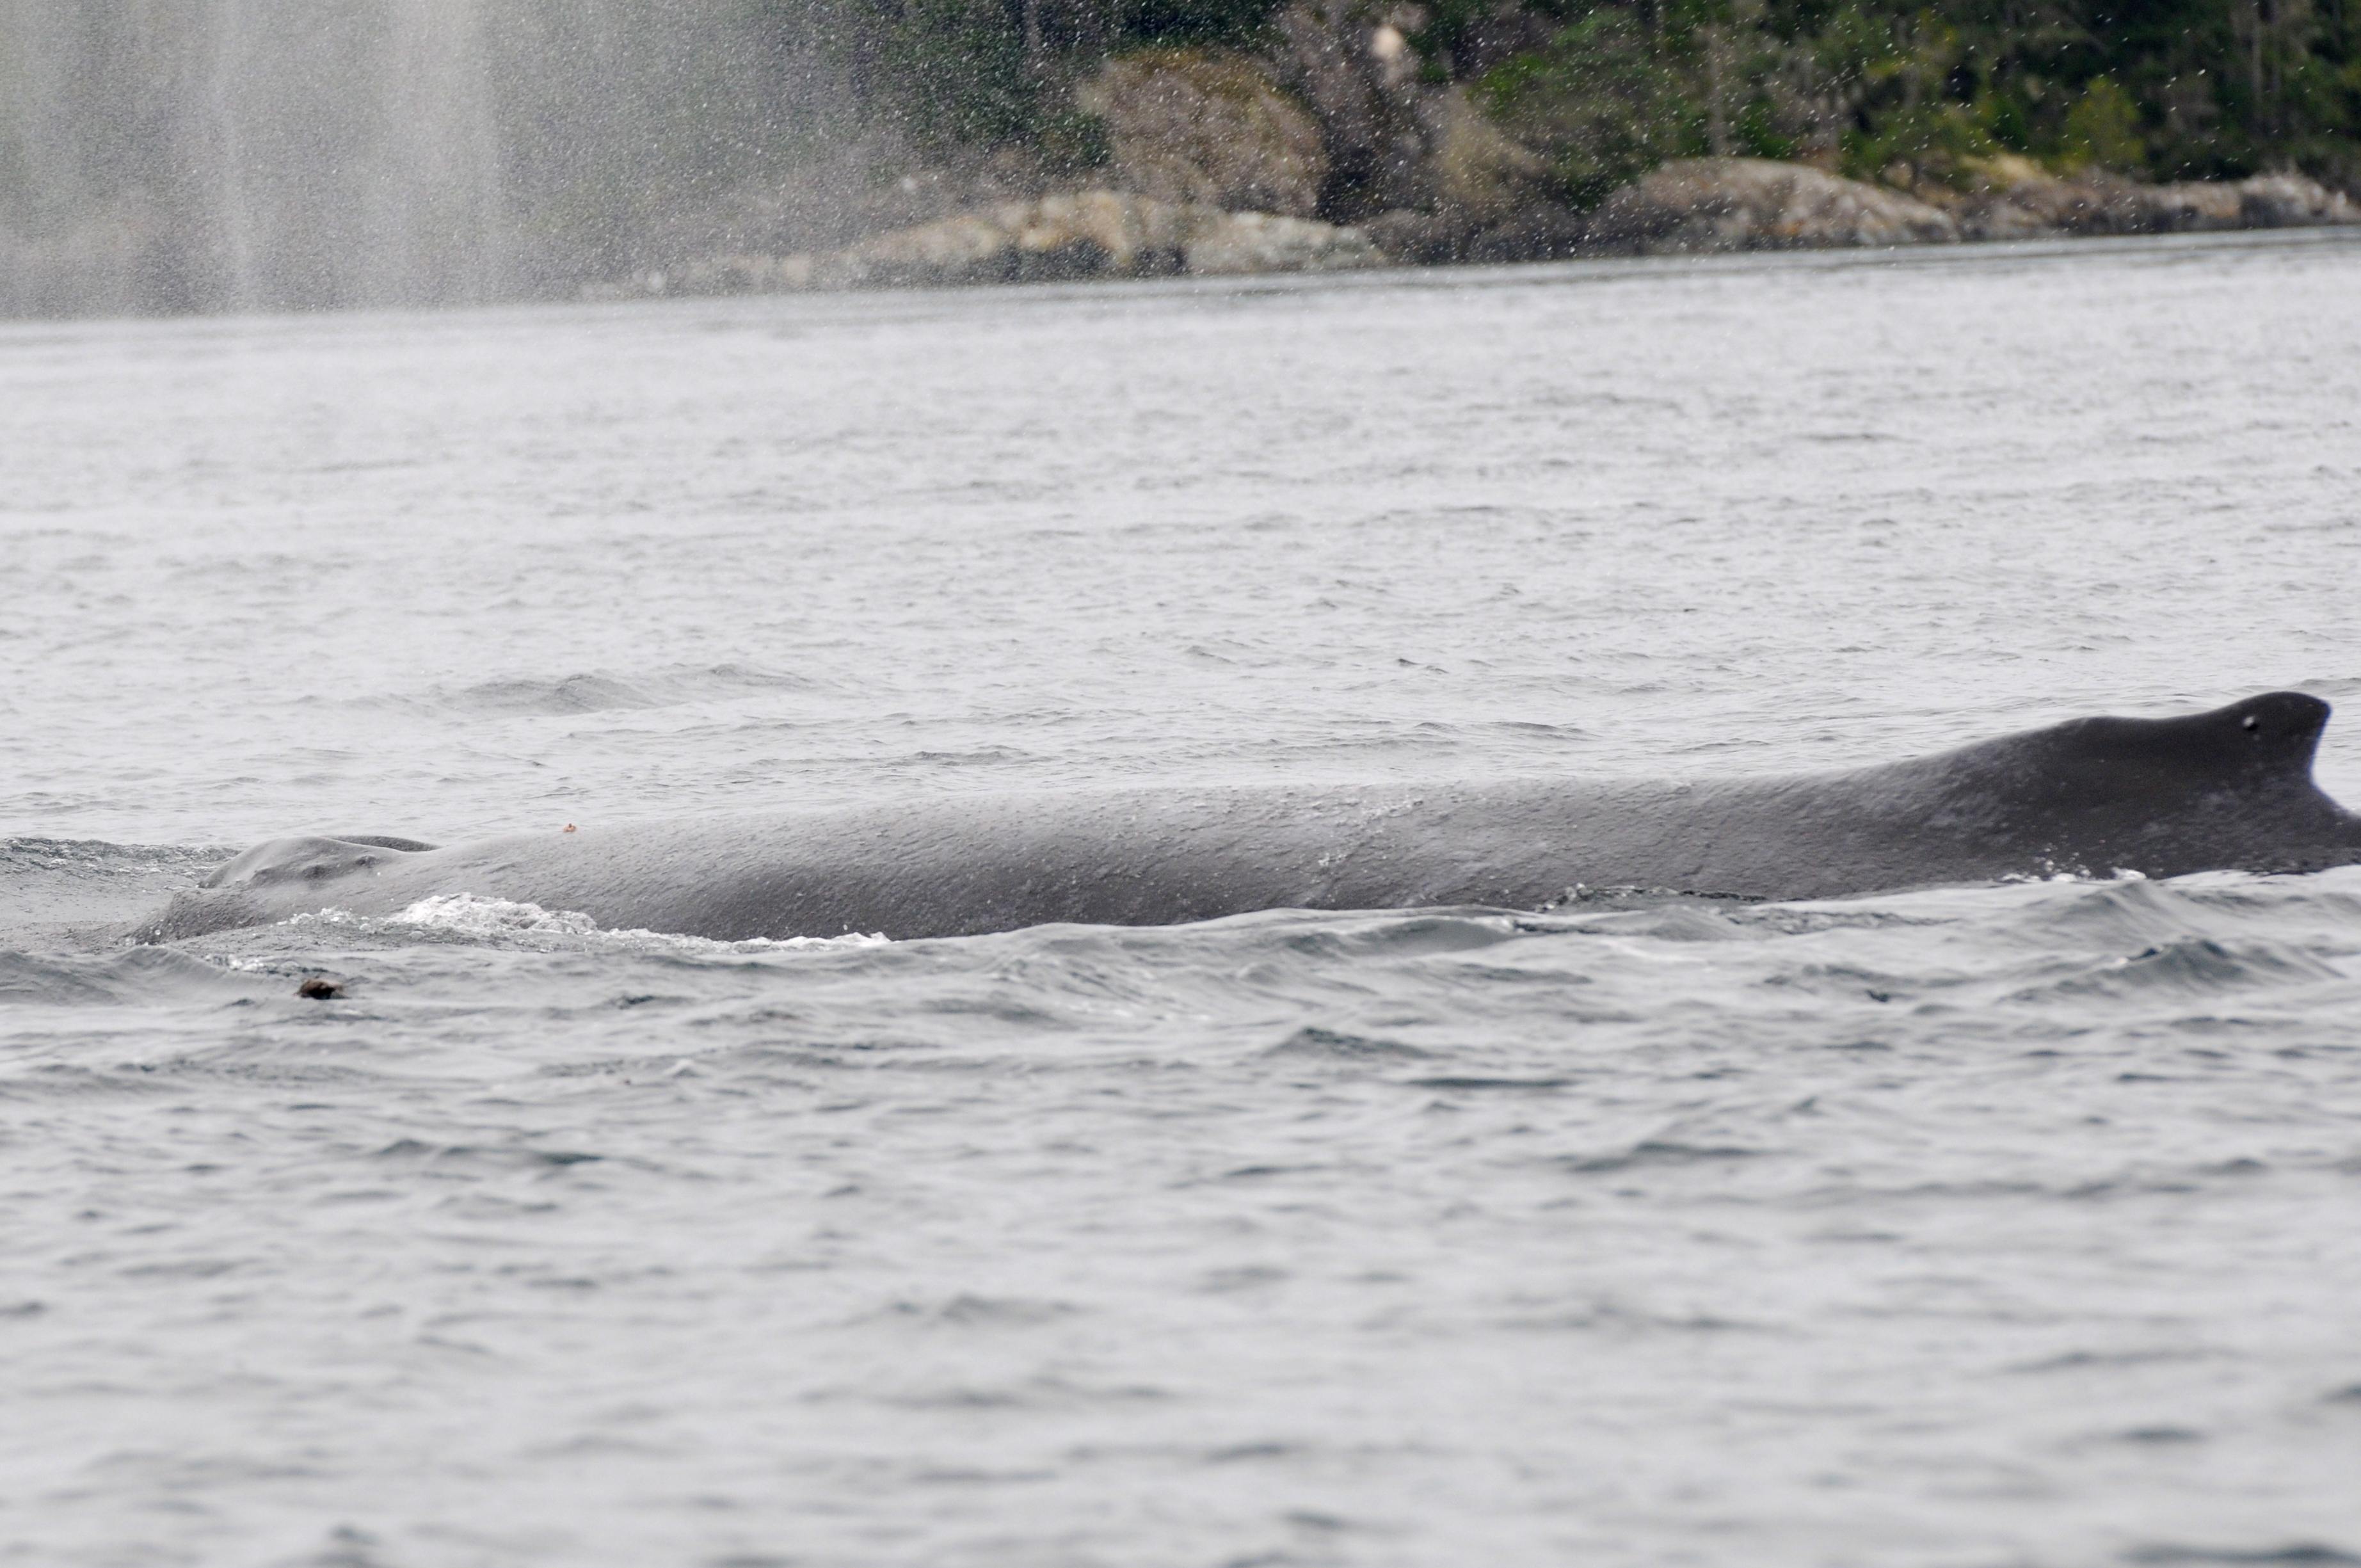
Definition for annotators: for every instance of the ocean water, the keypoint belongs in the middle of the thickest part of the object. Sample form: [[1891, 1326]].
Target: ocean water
[[1989, 1226]]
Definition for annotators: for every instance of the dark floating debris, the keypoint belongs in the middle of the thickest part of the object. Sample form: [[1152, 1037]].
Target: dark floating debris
[[320, 988]]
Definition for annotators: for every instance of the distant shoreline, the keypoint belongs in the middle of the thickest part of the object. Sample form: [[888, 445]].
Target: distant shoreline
[[1512, 274], [1692, 207]]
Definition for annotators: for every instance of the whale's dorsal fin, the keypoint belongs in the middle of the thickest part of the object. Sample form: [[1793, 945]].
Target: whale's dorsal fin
[[2225, 790], [2260, 740], [2257, 750]]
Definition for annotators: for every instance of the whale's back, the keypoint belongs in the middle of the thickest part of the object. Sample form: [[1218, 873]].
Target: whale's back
[[2228, 789]]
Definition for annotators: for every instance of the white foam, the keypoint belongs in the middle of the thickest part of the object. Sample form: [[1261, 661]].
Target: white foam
[[471, 915]]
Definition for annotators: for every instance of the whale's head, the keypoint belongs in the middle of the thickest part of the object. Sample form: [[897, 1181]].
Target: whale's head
[[311, 859]]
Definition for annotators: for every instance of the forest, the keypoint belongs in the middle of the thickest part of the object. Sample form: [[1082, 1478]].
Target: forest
[[2161, 89]]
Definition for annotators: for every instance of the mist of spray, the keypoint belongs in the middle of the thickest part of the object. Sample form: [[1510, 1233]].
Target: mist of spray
[[226, 155]]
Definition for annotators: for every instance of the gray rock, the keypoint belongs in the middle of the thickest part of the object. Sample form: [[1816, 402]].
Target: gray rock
[[2291, 200], [2014, 198], [1704, 204], [1199, 128], [1360, 77], [1232, 243], [1396, 142], [1542, 231], [1092, 234], [1474, 171]]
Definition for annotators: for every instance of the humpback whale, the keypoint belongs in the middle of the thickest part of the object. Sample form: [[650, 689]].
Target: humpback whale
[[2225, 790]]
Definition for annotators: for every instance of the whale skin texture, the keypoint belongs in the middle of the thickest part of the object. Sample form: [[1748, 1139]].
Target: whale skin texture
[[2230, 789]]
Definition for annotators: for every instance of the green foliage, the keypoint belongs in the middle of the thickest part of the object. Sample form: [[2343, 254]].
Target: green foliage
[[1072, 140], [1601, 103], [970, 62], [2104, 128], [1921, 91], [1938, 142], [1189, 21], [1910, 90]]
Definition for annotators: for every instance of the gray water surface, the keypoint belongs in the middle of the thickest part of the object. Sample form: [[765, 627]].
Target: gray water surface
[[1989, 1226]]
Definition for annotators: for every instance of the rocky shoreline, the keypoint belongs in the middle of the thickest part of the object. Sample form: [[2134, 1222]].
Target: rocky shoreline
[[1693, 207], [1224, 164], [1090, 233], [1703, 205]]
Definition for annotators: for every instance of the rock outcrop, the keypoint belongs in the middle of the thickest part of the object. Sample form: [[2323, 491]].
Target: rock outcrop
[[1697, 205], [1416, 160], [1194, 128], [1094, 233], [1475, 171], [1233, 244], [2014, 198], [1359, 75]]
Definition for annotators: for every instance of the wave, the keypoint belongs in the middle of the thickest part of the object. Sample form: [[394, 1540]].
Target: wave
[[2195, 965], [133, 976], [594, 691]]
